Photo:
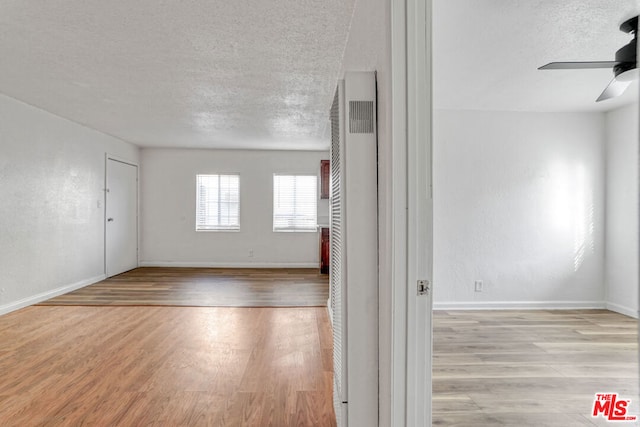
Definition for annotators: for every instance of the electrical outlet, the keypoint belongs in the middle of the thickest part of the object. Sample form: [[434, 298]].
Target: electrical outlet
[[479, 286], [250, 253]]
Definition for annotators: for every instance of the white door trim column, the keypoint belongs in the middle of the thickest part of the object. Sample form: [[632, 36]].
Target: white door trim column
[[411, 219]]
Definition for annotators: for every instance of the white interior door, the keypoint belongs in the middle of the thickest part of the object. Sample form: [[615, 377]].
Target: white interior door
[[121, 219]]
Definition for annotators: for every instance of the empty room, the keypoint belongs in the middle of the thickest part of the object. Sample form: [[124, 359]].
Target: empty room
[[535, 214], [177, 153], [337, 213]]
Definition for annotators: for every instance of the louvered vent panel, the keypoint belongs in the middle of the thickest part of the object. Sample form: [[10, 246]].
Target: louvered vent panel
[[335, 272], [361, 117]]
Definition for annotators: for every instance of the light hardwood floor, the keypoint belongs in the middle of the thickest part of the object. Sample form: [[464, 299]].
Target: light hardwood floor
[[165, 366], [206, 287], [201, 366], [531, 368]]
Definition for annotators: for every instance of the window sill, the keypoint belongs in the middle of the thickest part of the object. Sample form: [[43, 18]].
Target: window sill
[[314, 230]]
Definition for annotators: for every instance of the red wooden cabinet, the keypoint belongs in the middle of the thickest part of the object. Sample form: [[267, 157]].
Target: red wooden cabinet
[[325, 176], [324, 250]]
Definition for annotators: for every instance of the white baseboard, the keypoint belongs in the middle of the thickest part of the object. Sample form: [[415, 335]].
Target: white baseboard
[[627, 311], [230, 264], [16, 305], [520, 305]]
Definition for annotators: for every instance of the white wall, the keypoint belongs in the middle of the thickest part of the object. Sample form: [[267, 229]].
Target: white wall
[[518, 204], [51, 203], [168, 182], [621, 257]]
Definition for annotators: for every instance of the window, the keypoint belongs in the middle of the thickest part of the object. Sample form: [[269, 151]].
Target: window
[[218, 202], [295, 202]]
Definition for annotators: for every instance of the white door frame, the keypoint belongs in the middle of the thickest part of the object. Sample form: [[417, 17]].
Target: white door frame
[[412, 252], [108, 157], [420, 212]]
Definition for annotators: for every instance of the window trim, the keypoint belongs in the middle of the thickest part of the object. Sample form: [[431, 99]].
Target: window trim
[[218, 229], [313, 229]]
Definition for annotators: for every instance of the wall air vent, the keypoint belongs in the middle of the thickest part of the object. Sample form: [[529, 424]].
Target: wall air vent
[[361, 118], [353, 275]]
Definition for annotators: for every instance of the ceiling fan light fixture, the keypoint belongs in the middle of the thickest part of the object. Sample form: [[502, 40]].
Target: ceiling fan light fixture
[[629, 75]]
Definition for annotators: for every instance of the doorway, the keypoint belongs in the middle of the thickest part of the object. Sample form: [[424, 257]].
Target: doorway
[[121, 216]]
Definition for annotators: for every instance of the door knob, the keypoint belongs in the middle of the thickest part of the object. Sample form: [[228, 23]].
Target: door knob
[[110, 220]]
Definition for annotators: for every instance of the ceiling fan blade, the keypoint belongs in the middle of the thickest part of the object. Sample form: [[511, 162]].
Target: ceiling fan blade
[[615, 88], [577, 65]]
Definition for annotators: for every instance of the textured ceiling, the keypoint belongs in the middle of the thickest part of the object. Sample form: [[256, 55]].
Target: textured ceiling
[[233, 74], [486, 53], [261, 73]]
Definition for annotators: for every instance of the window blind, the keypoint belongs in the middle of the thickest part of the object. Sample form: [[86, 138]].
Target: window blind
[[218, 202], [295, 202]]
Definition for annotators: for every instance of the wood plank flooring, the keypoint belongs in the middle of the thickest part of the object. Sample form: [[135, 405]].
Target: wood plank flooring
[[206, 287], [165, 366], [221, 366], [531, 368]]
